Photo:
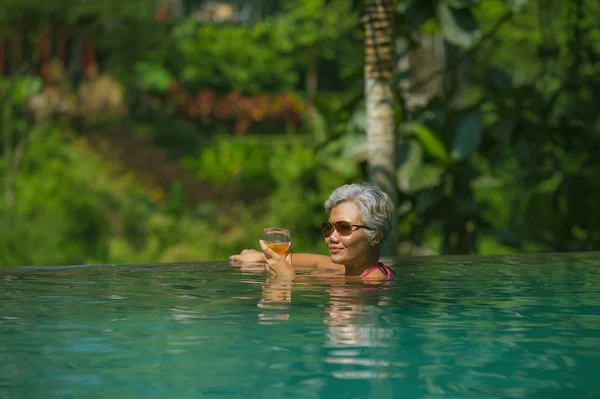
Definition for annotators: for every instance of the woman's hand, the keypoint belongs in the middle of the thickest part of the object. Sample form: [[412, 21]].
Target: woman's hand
[[247, 255], [278, 265]]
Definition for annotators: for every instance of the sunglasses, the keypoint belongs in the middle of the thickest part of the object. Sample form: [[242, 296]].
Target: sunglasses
[[342, 227]]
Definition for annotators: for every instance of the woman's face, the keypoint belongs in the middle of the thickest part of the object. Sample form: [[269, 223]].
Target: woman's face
[[352, 250]]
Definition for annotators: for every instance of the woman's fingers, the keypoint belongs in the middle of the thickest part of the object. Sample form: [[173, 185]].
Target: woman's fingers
[[269, 269], [288, 254], [276, 264], [271, 266], [268, 251]]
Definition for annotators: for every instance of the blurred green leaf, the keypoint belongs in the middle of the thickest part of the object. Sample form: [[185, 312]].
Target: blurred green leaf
[[176, 200], [354, 147], [358, 121], [468, 137], [153, 77], [430, 142], [486, 183], [516, 5], [426, 177], [458, 26], [550, 184], [410, 155], [25, 87]]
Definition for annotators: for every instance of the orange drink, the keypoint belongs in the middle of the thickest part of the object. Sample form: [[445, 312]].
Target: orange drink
[[277, 239], [279, 248]]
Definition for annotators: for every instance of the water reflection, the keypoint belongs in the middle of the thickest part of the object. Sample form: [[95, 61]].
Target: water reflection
[[351, 313], [356, 336], [275, 300], [358, 339], [354, 315]]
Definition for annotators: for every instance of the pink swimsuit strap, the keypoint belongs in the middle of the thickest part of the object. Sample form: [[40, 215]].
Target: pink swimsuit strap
[[388, 272]]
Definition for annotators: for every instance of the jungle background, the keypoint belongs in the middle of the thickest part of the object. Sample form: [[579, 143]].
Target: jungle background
[[170, 131]]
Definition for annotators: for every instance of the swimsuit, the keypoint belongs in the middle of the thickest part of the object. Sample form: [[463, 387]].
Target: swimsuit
[[385, 269]]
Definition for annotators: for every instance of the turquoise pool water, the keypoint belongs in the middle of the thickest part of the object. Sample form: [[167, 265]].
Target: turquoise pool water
[[464, 327]]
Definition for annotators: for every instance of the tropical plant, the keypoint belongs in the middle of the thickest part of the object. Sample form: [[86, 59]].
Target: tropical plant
[[498, 151], [309, 32]]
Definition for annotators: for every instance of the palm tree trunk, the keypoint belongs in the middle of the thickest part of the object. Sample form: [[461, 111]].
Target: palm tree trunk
[[379, 94]]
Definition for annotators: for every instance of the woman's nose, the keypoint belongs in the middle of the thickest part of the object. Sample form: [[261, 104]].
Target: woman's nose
[[335, 237]]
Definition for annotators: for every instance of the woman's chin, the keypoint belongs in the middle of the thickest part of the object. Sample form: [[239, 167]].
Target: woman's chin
[[336, 258]]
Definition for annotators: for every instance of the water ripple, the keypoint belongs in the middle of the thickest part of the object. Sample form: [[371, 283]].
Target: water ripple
[[497, 327]]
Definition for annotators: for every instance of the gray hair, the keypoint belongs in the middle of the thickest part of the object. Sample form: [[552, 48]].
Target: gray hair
[[375, 206]]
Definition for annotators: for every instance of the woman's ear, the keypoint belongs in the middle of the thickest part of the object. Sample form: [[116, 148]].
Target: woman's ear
[[377, 238]]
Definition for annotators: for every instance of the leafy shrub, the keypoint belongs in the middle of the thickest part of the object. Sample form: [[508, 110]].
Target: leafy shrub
[[240, 162], [223, 57], [72, 208]]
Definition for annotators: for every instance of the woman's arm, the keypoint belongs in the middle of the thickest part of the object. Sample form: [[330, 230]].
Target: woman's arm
[[301, 260], [247, 255], [314, 261]]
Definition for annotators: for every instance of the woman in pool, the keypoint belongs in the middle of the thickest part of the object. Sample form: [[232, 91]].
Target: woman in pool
[[360, 219]]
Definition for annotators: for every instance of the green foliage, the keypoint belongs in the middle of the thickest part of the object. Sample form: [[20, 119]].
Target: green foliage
[[309, 27], [293, 180], [429, 140], [502, 161], [457, 23], [468, 137], [454, 19], [247, 58], [152, 77], [49, 193], [24, 87], [521, 144], [240, 162], [299, 192], [72, 208]]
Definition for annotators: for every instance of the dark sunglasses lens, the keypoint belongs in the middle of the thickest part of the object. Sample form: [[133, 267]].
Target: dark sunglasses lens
[[344, 228], [326, 229]]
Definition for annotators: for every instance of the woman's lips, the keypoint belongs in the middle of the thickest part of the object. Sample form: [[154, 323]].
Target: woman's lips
[[334, 250]]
